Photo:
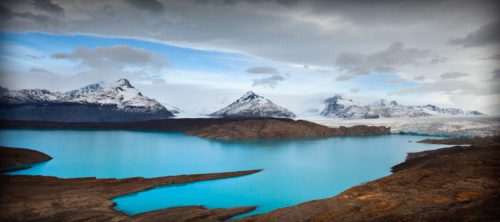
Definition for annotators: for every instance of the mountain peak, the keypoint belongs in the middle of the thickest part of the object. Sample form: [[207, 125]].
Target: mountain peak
[[333, 99], [253, 105], [250, 94], [124, 83]]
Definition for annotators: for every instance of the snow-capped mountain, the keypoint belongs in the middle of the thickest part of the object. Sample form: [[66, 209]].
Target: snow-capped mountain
[[343, 108], [253, 105], [339, 107], [118, 101]]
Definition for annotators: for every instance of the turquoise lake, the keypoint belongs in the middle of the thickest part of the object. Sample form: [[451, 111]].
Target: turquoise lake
[[294, 171]]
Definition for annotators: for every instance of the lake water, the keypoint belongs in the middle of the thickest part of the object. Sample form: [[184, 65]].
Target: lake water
[[294, 171]]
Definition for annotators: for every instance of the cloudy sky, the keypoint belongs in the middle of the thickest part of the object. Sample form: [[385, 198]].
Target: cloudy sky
[[200, 55]]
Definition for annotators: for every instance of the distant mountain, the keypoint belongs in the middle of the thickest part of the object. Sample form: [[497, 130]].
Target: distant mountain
[[98, 102], [339, 107], [253, 105]]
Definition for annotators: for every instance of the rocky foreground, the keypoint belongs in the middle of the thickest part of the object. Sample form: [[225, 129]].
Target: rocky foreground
[[460, 183], [217, 128], [43, 198]]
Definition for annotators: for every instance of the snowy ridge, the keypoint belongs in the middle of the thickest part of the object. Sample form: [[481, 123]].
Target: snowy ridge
[[95, 102], [29, 96], [253, 105], [339, 107], [120, 93]]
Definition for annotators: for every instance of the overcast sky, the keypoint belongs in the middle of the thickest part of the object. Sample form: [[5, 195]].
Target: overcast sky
[[200, 54]]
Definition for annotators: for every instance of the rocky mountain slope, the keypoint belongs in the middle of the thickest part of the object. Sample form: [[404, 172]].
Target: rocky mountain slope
[[253, 105], [339, 107], [98, 102]]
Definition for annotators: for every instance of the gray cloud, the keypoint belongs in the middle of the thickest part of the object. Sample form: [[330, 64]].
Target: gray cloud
[[270, 82], [44, 21], [354, 90], [446, 86], [452, 87], [233, 2], [439, 59], [112, 62], [419, 78], [452, 75], [48, 6], [262, 70], [119, 56], [320, 29], [40, 72], [388, 60], [493, 57], [396, 81], [486, 35], [153, 6], [496, 74]]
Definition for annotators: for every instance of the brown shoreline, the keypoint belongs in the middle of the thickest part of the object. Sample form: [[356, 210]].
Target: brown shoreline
[[45, 198], [215, 128], [12, 159], [449, 184]]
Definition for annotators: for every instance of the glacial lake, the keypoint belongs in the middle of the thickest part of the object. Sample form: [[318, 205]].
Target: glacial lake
[[294, 171]]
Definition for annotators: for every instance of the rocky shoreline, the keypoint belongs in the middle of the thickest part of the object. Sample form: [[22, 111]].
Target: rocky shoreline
[[216, 128], [459, 183], [12, 159], [46, 198]]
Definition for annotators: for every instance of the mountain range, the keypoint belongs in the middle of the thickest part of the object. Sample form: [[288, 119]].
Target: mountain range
[[339, 107], [120, 101], [98, 102]]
